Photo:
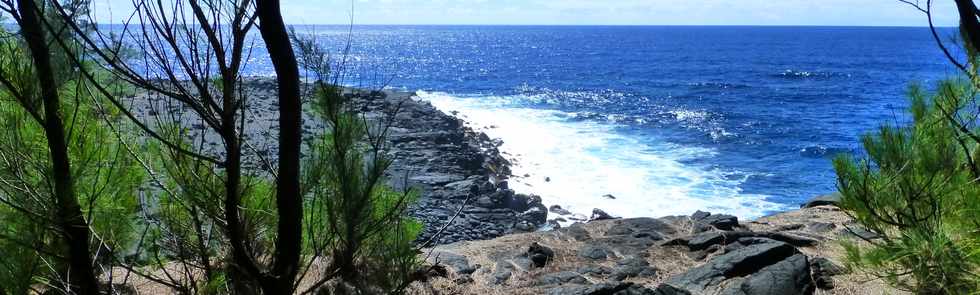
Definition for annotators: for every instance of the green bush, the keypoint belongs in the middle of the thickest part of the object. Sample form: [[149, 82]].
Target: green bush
[[357, 220], [106, 181], [353, 218], [917, 191]]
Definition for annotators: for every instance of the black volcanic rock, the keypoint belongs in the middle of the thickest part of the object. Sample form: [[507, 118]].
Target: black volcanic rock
[[698, 215], [559, 210], [719, 221], [598, 214], [704, 240], [766, 256], [458, 263], [824, 200], [632, 267], [823, 272], [593, 252], [611, 288], [539, 255], [763, 267]]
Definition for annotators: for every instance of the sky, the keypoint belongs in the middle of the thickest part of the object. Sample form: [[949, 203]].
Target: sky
[[595, 12]]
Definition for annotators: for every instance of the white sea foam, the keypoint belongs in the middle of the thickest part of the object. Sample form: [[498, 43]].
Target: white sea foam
[[585, 160]]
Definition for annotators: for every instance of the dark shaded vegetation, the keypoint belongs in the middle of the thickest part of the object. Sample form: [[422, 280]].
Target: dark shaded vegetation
[[96, 195]]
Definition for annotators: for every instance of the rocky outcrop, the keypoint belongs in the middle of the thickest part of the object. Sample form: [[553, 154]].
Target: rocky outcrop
[[598, 214], [706, 240], [449, 164], [824, 200], [704, 221], [697, 254], [755, 266]]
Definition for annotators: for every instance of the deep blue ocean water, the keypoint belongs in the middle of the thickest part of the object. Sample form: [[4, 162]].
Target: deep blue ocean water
[[667, 119]]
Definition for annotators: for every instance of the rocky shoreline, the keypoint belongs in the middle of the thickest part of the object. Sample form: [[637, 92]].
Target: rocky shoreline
[[795, 252], [457, 171], [485, 238], [493, 247]]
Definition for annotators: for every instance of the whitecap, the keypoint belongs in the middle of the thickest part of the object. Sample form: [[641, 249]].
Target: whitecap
[[573, 163]]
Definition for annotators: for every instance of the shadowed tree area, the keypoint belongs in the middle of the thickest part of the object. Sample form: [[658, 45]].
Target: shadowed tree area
[[96, 192]]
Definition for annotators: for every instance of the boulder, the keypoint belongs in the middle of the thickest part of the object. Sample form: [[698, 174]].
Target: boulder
[[762, 267], [593, 252], [559, 210], [823, 270], [556, 223], [704, 240], [733, 264], [598, 214], [698, 215], [722, 221], [719, 221], [537, 214], [629, 236], [824, 200], [522, 202], [642, 225], [539, 255], [458, 263], [789, 276], [498, 199], [575, 232], [523, 226], [632, 267]]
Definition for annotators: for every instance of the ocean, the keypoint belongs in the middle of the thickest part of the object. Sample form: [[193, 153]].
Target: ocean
[[667, 120]]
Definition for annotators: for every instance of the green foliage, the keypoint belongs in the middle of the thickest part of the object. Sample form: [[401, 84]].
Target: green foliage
[[917, 190], [177, 218], [187, 224], [20, 263], [105, 178], [353, 215], [185, 208]]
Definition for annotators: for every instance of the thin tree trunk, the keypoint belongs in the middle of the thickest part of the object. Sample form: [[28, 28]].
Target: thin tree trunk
[[288, 198], [75, 229], [233, 198], [969, 22], [233, 174]]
